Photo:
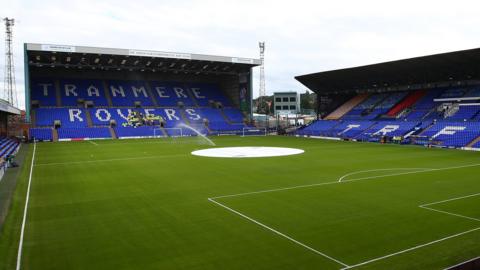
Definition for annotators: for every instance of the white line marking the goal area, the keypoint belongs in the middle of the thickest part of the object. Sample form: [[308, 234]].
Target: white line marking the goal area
[[339, 181], [426, 206], [94, 143]]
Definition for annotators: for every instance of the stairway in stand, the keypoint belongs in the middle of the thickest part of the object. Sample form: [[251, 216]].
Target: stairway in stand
[[112, 133], [408, 101], [222, 113], [54, 135], [89, 118], [346, 107], [472, 143]]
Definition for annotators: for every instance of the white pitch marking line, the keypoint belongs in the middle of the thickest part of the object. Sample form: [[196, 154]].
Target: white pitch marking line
[[433, 242], [424, 206], [378, 170], [108, 160], [462, 263], [452, 199], [352, 180], [277, 232], [412, 248], [22, 231], [346, 181], [94, 143], [449, 213]]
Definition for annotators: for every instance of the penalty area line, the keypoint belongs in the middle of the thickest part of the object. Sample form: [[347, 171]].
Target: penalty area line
[[344, 181], [212, 199], [379, 170], [278, 233], [22, 230]]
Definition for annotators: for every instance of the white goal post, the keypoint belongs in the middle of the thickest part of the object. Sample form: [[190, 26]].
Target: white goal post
[[254, 131], [174, 132]]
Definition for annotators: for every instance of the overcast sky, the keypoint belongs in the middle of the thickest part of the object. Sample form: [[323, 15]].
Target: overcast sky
[[301, 36]]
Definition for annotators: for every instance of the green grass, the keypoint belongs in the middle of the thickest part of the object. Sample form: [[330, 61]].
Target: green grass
[[143, 204]]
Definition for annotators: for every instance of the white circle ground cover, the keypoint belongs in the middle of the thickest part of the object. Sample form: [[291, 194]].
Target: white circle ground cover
[[247, 152]]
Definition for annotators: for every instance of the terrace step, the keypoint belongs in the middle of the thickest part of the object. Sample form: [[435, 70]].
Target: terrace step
[[427, 128], [407, 102], [150, 93], [89, 118], [189, 92], [472, 143], [107, 94], [225, 117], [54, 135], [184, 117], [346, 107], [112, 133]]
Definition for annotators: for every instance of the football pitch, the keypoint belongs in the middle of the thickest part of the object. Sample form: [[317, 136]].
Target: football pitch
[[150, 204]]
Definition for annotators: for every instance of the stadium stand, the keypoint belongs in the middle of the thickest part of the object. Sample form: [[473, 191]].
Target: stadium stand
[[41, 134], [43, 92], [69, 117], [72, 91], [411, 99], [350, 129], [83, 133], [450, 124], [318, 128], [177, 103], [387, 128], [476, 145], [8, 146], [424, 106], [370, 108], [203, 93], [473, 92], [456, 134], [346, 107], [233, 115], [127, 93], [465, 113], [169, 94]]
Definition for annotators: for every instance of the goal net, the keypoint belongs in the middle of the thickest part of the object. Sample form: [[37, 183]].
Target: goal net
[[253, 131], [169, 132]]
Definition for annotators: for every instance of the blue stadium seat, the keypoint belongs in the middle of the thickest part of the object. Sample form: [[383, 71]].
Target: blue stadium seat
[[43, 90], [83, 133], [170, 93], [204, 92], [318, 128], [465, 113], [41, 134], [455, 134], [234, 115], [88, 90], [69, 117], [126, 93]]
